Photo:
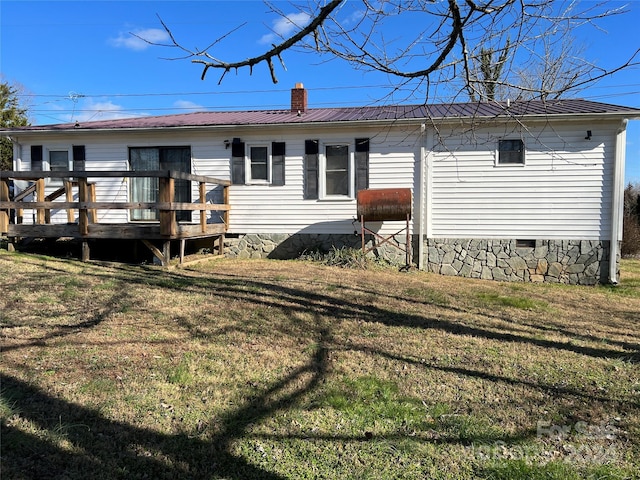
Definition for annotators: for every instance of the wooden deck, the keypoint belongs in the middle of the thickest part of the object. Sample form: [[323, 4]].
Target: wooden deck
[[78, 193]]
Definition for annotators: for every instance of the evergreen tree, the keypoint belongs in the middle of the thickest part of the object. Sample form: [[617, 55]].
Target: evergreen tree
[[13, 115]]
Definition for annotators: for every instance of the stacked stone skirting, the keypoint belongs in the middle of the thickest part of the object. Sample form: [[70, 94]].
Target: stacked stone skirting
[[579, 262]]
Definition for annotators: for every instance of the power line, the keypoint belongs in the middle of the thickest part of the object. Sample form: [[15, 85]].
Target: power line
[[182, 94]]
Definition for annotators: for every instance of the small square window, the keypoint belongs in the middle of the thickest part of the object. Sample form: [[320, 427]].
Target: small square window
[[510, 152]]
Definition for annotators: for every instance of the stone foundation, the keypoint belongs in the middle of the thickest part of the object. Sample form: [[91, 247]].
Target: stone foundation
[[578, 262], [283, 246]]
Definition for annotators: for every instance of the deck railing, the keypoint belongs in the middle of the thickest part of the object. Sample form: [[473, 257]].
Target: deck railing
[[79, 194]]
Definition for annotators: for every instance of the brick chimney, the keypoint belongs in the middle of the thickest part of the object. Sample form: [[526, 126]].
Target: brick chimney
[[298, 99]]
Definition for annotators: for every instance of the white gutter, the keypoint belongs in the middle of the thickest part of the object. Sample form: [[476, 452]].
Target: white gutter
[[421, 213], [617, 203], [426, 173]]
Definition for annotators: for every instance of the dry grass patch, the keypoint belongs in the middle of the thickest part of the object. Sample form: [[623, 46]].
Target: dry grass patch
[[265, 369]]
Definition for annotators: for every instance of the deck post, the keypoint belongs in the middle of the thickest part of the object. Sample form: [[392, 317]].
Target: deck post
[[161, 256], [408, 244], [166, 253], [93, 213], [68, 195], [167, 217], [4, 197], [221, 245], [225, 215], [83, 215], [203, 213], [40, 212], [86, 253], [183, 243]]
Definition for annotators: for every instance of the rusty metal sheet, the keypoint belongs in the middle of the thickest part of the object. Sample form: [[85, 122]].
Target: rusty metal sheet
[[378, 205]]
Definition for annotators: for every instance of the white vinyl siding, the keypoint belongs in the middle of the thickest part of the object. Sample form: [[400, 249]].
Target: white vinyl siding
[[563, 191], [264, 209]]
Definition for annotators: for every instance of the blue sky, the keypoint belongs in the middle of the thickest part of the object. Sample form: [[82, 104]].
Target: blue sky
[[77, 60]]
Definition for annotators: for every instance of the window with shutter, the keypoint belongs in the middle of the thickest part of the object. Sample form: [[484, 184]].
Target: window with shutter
[[258, 163]]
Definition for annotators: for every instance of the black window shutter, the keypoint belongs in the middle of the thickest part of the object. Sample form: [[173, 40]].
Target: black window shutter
[[36, 157], [362, 163], [237, 163], [277, 163], [311, 164], [79, 158]]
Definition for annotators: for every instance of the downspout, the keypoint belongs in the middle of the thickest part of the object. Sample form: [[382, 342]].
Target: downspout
[[17, 153], [617, 203], [421, 213]]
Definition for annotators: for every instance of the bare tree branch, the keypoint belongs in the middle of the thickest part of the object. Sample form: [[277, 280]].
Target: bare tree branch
[[449, 45], [276, 51]]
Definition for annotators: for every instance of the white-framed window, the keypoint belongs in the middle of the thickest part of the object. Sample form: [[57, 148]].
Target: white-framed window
[[510, 152], [258, 163], [59, 160], [336, 171]]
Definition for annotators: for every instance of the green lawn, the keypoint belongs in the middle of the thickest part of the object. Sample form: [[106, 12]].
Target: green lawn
[[271, 370]]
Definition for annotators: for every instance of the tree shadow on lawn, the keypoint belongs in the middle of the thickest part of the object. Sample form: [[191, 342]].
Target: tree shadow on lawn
[[230, 286], [101, 448], [81, 440], [86, 319], [70, 441]]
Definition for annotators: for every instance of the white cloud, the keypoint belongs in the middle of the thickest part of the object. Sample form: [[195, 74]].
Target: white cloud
[[133, 40], [187, 105], [284, 26], [91, 111], [355, 17]]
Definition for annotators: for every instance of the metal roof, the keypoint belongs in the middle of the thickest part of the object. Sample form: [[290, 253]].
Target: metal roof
[[532, 108]]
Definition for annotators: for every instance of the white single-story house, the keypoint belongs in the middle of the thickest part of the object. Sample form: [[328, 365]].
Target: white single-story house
[[510, 191]]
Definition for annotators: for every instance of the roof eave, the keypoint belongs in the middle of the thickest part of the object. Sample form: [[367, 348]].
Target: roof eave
[[368, 122], [542, 117], [213, 126]]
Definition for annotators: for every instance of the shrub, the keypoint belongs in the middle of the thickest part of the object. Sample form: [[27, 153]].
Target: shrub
[[631, 221], [345, 257]]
